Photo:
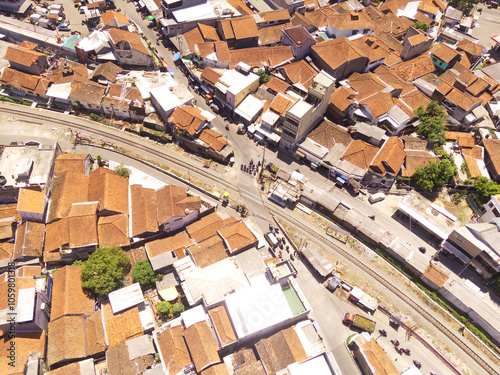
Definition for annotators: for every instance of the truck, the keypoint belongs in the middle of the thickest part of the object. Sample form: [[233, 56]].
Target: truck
[[360, 322]]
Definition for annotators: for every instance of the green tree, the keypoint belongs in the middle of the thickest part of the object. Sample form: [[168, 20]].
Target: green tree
[[466, 5], [433, 176], [122, 170], [420, 25], [103, 272], [484, 189], [164, 307], [264, 77], [432, 123], [143, 273], [177, 308]]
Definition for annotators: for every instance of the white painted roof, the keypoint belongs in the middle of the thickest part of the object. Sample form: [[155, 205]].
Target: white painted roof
[[125, 298]]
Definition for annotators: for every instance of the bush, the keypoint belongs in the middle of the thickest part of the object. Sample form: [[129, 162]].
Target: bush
[[177, 308], [123, 171], [104, 271], [484, 189], [164, 307], [143, 273], [433, 176], [420, 25], [95, 117], [432, 123]]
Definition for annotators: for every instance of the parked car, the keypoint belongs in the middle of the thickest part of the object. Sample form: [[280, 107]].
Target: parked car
[[64, 27]]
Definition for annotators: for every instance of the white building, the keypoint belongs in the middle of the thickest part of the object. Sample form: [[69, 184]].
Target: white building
[[235, 85], [166, 98], [491, 209]]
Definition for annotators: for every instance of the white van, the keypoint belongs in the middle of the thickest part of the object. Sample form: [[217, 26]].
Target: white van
[[374, 198], [271, 238]]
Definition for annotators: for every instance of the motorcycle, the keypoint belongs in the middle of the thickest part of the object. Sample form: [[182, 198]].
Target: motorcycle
[[395, 342], [383, 332], [417, 364], [422, 249], [241, 167], [406, 351], [227, 127]]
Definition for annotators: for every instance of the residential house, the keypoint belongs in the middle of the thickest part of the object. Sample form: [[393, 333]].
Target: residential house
[[74, 337], [302, 116], [69, 188], [376, 50], [175, 209], [237, 237], [30, 303], [208, 226], [77, 163], [348, 24], [30, 348], [29, 242], [112, 19], [359, 154], [240, 32], [123, 102], [387, 164], [56, 241], [271, 18], [373, 359], [202, 345], [276, 85], [472, 50], [22, 84], [257, 57], [415, 68], [299, 73], [163, 253], [136, 355], [82, 228], [452, 17], [492, 157], [166, 98], [215, 145], [443, 56], [271, 35], [209, 78], [26, 60], [415, 43], [106, 73], [339, 58], [207, 252], [172, 348], [236, 84], [299, 39], [110, 190], [31, 204], [79, 368], [187, 119], [129, 49], [113, 231], [415, 159], [213, 54], [491, 209], [88, 94], [144, 219]]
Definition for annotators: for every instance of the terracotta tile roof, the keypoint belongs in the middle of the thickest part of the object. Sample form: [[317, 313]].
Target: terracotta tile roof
[[170, 203], [415, 68], [6, 229], [365, 84], [222, 51], [478, 86], [467, 46], [176, 243], [237, 236], [218, 369], [29, 240], [173, 349], [68, 296], [9, 210], [360, 153], [27, 44], [209, 33], [210, 228], [111, 15], [373, 48], [492, 147], [301, 20], [67, 72], [485, 98], [82, 224], [144, 217], [336, 52], [67, 189], [378, 359], [464, 60], [22, 55], [187, 118], [210, 76], [201, 345], [113, 230], [87, 91], [107, 70], [379, 103], [319, 17], [6, 250], [280, 350], [494, 85], [75, 337], [272, 34], [342, 98], [350, 21], [241, 28], [22, 282], [395, 26], [385, 74], [391, 157], [328, 134], [120, 360], [56, 235], [298, 34], [436, 274], [465, 75], [443, 52], [300, 72], [417, 159], [282, 103], [461, 100], [475, 152], [277, 85], [31, 200], [419, 16], [473, 167], [222, 324], [389, 39], [213, 139], [193, 37], [241, 7], [70, 163], [133, 39], [123, 326], [259, 56], [71, 369], [466, 140], [23, 81], [275, 15], [208, 252], [27, 343], [109, 189]]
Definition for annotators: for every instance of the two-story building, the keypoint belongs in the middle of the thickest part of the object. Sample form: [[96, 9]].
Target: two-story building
[[444, 56], [240, 32], [299, 39], [129, 49], [236, 84], [26, 60], [348, 24]]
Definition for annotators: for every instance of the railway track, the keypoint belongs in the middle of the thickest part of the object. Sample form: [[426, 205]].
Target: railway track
[[279, 213], [400, 294]]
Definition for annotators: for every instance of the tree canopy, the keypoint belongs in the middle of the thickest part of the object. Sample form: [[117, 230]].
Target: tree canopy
[[122, 170], [264, 77], [104, 271], [433, 176], [466, 5], [484, 189], [420, 25], [143, 273], [432, 123]]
